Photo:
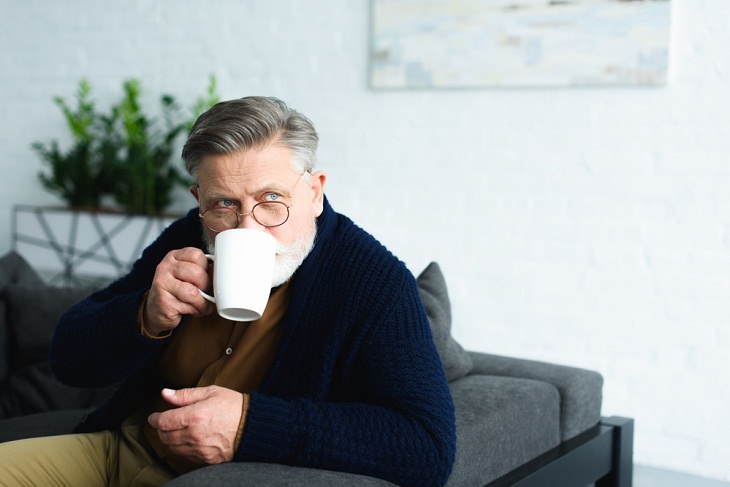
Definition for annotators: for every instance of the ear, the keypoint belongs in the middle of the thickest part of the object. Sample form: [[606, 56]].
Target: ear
[[195, 191], [317, 183]]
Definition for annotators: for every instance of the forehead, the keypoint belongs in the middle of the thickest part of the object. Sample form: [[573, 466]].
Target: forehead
[[248, 170]]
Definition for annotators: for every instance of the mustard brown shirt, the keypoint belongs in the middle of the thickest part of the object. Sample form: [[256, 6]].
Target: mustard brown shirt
[[212, 350]]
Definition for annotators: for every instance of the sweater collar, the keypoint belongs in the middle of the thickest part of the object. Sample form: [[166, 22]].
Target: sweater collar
[[326, 224]]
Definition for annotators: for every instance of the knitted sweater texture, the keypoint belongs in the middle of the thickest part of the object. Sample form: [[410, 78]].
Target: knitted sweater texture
[[356, 384]]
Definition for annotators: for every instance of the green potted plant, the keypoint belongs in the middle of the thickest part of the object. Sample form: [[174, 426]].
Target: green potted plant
[[116, 178], [79, 175], [124, 154]]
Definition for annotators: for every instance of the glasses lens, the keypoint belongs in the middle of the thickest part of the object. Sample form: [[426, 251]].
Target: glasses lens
[[271, 213], [220, 219]]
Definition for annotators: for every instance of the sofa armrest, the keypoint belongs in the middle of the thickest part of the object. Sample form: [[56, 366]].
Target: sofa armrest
[[272, 475], [580, 389]]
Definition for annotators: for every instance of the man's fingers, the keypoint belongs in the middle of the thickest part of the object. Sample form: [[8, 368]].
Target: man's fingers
[[203, 424], [175, 289], [185, 299], [154, 420], [168, 421], [185, 397]]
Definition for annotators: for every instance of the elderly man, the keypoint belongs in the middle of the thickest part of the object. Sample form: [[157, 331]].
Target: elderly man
[[339, 373]]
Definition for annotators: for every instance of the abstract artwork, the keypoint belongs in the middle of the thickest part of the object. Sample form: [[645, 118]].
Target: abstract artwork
[[518, 43]]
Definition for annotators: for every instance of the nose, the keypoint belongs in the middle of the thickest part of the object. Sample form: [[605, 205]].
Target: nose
[[246, 220]]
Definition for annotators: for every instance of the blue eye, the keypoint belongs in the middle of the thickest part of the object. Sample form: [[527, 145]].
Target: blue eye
[[272, 196], [224, 203]]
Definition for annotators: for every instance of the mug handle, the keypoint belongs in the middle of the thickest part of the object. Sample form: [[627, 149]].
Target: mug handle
[[207, 296]]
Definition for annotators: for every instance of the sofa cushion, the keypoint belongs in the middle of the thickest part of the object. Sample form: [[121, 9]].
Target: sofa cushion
[[501, 423], [34, 389], [580, 389], [32, 312], [13, 269], [30, 386], [432, 286]]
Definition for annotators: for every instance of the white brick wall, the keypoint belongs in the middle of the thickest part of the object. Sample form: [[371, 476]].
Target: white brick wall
[[585, 226]]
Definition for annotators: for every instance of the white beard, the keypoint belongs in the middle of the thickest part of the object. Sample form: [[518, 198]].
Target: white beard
[[288, 257]]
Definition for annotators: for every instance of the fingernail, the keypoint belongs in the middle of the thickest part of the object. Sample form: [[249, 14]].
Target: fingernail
[[168, 392]]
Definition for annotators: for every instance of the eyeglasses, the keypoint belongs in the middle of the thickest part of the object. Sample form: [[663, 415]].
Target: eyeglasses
[[267, 213]]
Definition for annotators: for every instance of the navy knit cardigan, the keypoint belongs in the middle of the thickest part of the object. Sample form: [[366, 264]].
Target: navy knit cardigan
[[356, 384]]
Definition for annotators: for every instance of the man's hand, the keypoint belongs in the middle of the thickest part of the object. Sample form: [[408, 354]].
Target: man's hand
[[204, 426], [175, 290]]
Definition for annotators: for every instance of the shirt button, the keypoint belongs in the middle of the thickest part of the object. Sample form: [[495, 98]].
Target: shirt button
[[229, 351]]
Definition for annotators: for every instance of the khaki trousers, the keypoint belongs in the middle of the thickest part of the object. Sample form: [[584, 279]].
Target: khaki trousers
[[109, 458]]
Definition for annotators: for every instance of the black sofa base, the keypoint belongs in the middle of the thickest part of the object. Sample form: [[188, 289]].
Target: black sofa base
[[602, 455]]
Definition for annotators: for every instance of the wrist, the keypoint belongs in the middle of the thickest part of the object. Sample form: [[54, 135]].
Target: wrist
[[144, 328]]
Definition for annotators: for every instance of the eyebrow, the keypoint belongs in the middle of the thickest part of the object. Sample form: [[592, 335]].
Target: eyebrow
[[271, 188], [216, 196], [267, 188]]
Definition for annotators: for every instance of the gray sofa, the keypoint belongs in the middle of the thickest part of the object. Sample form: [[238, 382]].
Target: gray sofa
[[519, 422]]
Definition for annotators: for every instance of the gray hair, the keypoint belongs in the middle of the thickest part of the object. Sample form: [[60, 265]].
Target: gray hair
[[251, 123]]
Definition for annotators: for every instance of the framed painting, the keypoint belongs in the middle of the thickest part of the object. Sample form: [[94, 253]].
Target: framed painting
[[518, 43]]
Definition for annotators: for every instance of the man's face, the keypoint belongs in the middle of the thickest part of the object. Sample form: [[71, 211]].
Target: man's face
[[243, 179]]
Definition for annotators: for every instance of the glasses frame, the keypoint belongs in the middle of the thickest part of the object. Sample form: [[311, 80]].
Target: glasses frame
[[240, 216]]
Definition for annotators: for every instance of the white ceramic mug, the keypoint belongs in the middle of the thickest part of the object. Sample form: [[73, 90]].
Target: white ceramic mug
[[243, 265]]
